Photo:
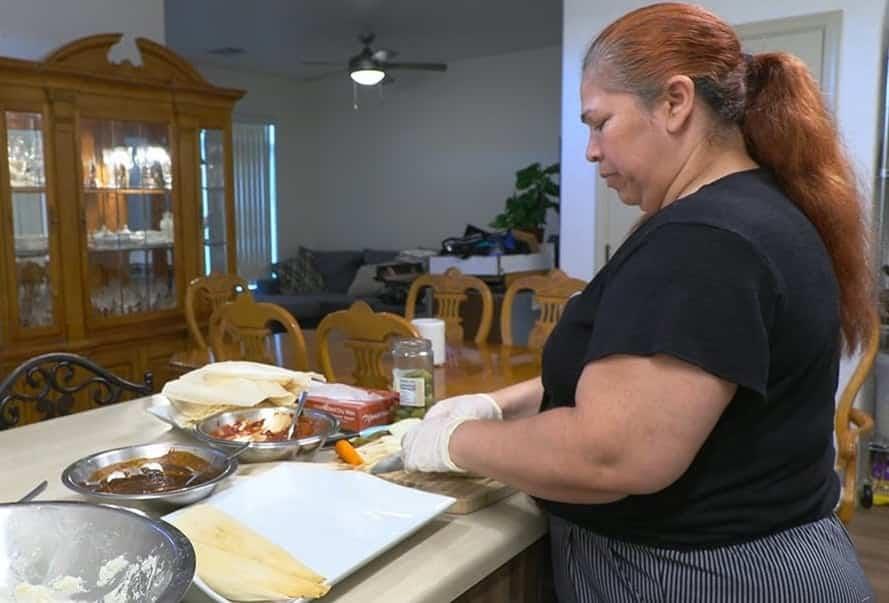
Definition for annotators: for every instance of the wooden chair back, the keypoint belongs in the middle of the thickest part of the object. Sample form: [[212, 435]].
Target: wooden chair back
[[551, 292], [449, 292], [204, 296], [367, 335], [852, 423], [240, 330], [49, 386]]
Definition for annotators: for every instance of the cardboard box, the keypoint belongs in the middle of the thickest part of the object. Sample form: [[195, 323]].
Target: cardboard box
[[355, 415]]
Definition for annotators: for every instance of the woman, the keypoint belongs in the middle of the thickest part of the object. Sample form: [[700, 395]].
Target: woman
[[683, 447]]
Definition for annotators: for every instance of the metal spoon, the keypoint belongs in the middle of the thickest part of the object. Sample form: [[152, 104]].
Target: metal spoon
[[35, 492], [300, 404], [243, 446]]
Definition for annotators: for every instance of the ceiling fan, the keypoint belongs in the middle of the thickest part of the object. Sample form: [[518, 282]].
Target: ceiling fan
[[371, 67]]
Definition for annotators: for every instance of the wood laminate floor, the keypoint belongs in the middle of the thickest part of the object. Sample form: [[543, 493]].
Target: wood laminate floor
[[870, 532]]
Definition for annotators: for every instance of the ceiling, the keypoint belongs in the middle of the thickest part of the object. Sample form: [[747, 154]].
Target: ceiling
[[278, 34]]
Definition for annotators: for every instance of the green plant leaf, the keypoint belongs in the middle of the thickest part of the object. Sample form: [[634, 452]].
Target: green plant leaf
[[553, 169], [526, 177], [551, 188]]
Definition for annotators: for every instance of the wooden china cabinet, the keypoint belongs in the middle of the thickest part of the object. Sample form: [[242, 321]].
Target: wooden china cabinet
[[115, 191]]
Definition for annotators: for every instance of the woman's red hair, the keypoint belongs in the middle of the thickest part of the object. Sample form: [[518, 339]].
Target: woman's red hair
[[780, 110]]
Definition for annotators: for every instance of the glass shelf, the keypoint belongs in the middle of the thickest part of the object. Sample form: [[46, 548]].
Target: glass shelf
[[128, 247], [30, 218], [213, 201], [128, 191], [128, 212]]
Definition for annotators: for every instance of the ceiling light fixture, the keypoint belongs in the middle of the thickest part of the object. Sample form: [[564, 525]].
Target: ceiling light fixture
[[365, 71]]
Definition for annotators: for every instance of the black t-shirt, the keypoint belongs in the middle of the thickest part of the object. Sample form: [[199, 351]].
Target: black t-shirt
[[736, 280]]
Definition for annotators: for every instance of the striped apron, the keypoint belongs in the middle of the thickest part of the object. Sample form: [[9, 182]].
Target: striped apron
[[812, 563]]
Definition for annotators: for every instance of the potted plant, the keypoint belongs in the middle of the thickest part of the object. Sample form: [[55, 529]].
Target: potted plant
[[535, 192]]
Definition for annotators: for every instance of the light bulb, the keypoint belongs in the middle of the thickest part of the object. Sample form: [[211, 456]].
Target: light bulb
[[367, 77]]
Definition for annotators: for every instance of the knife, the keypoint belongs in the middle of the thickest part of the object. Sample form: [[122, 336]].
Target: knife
[[364, 433], [393, 462]]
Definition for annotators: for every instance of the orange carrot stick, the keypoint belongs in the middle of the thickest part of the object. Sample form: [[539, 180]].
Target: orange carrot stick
[[347, 452]]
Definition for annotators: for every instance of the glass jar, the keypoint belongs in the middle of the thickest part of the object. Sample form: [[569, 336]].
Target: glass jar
[[412, 376]]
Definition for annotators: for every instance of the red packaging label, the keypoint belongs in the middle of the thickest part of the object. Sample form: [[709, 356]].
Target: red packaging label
[[355, 415]]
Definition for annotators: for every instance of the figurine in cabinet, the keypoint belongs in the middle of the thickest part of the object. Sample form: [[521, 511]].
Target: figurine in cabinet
[[157, 175]]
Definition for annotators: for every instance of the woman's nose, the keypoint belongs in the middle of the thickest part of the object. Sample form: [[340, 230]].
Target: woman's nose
[[593, 151]]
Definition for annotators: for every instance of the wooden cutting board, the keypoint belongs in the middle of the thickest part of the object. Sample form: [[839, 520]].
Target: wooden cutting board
[[472, 493]]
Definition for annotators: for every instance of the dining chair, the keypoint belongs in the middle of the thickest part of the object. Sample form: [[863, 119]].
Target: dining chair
[[45, 387], [449, 293], [551, 291], [241, 330], [851, 423], [367, 335], [204, 295]]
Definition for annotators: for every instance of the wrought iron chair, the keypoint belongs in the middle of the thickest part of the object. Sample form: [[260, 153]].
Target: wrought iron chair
[[49, 384]]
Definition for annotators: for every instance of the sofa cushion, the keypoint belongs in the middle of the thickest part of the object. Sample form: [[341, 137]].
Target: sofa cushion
[[337, 268], [302, 306], [298, 274], [379, 256]]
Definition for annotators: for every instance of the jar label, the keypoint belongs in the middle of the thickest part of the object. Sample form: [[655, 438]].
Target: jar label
[[411, 390]]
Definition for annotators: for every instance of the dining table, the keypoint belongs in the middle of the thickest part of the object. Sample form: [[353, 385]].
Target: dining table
[[499, 553]]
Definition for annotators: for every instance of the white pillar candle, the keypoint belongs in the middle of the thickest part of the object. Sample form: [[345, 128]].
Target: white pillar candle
[[433, 329]]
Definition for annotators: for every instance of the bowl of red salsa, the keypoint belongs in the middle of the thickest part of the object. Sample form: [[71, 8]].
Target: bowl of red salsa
[[266, 429]]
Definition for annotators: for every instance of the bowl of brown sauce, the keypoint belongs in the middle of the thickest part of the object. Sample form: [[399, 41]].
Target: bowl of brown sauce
[[159, 475]]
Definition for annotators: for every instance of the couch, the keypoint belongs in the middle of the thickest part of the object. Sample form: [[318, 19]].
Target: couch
[[313, 283]]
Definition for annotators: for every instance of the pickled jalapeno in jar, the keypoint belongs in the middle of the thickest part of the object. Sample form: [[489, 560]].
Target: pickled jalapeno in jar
[[412, 377]]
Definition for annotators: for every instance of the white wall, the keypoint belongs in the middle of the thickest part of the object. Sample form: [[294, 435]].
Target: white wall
[[439, 151], [30, 29], [860, 75], [291, 106]]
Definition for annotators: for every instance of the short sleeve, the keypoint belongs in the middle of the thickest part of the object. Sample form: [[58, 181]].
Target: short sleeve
[[699, 293]]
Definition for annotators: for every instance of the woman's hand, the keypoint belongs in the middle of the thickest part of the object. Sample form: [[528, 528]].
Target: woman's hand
[[426, 447], [473, 406]]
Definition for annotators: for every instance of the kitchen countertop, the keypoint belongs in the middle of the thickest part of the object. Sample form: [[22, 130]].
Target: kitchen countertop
[[437, 564]]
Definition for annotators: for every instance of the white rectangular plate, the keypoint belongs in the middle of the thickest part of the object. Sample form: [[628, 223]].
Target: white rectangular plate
[[333, 521]]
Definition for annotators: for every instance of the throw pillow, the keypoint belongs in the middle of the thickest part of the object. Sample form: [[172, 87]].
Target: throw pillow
[[298, 274], [365, 283], [337, 268]]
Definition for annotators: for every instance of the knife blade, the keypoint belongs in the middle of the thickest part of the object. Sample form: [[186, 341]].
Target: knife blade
[[393, 462]]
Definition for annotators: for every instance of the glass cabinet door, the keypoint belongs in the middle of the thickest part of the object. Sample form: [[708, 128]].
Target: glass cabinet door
[[30, 219], [128, 215], [213, 222]]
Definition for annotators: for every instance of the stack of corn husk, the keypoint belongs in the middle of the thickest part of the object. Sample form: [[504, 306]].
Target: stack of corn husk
[[243, 565]]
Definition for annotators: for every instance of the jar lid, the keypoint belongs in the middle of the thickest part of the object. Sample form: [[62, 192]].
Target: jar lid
[[412, 345]]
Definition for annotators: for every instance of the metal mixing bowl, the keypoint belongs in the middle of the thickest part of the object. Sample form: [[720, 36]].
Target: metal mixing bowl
[[324, 424], [43, 542], [78, 474]]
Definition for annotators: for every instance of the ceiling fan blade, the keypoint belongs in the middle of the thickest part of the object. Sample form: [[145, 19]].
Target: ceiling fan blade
[[314, 62], [325, 74], [418, 66], [384, 54]]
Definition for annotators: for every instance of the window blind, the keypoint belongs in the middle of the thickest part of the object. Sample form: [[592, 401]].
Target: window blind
[[254, 197]]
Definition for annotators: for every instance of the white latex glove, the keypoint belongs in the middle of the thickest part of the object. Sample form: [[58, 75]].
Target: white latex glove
[[473, 406], [425, 447]]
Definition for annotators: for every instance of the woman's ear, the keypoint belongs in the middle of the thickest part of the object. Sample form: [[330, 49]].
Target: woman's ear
[[679, 97]]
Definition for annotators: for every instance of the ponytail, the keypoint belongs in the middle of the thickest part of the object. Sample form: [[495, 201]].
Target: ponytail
[[789, 131]]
